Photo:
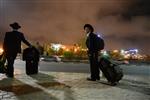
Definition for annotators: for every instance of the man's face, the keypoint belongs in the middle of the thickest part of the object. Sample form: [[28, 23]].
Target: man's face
[[87, 30]]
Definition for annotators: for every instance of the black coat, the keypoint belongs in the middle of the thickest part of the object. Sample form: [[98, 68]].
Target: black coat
[[91, 43], [12, 42]]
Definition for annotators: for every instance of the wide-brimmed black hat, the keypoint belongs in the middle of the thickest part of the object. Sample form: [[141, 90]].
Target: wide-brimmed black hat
[[15, 25], [89, 26]]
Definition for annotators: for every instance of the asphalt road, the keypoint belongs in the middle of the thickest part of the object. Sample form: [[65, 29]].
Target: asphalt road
[[138, 70]]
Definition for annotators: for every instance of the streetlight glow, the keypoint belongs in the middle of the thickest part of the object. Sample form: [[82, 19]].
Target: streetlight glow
[[1, 50]]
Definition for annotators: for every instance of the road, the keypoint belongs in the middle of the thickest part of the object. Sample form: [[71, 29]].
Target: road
[[141, 70]]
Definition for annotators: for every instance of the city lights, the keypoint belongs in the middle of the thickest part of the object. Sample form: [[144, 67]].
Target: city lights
[[122, 52], [56, 47], [78, 50], [104, 53], [1, 51], [115, 51], [75, 50]]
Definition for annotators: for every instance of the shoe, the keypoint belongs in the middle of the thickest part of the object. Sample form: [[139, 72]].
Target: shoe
[[113, 83], [9, 76], [90, 79], [98, 78]]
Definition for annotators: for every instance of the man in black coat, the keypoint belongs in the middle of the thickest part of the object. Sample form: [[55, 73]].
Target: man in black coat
[[92, 52], [12, 46]]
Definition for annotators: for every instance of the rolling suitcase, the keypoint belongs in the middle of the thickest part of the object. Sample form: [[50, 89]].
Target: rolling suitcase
[[31, 67], [31, 56], [111, 71]]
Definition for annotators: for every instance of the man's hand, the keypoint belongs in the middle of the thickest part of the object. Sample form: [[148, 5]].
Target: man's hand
[[30, 46]]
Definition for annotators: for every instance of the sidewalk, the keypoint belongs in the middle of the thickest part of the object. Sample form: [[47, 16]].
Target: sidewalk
[[70, 86]]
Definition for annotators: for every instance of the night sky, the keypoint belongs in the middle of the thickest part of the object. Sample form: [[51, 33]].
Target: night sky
[[122, 23]]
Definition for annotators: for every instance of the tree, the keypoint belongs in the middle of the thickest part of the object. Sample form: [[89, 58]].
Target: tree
[[68, 54], [81, 42], [39, 48], [60, 51]]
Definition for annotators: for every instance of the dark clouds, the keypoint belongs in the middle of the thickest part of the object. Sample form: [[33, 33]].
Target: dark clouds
[[138, 8], [119, 21]]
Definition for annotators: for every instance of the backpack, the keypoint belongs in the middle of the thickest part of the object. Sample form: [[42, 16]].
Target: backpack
[[99, 43]]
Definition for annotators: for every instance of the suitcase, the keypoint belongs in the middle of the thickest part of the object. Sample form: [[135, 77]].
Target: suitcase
[[111, 71], [31, 67], [31, 56]]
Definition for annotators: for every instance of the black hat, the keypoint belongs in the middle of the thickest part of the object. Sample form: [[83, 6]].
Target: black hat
[[89, 26], [15, 25]]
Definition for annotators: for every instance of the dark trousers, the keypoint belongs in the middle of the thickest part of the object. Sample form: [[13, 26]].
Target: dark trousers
[[10, 64], [94, 68]]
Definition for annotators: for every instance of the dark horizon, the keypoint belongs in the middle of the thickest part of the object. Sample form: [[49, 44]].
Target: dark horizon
[[122, 23]]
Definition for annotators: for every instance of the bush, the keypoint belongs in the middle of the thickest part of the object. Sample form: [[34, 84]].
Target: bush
[[68, 54]]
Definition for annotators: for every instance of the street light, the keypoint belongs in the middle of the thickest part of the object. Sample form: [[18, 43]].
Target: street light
[[115, 51]]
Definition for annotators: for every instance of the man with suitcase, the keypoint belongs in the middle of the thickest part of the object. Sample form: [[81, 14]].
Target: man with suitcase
[[91, 44], [12, 46]]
